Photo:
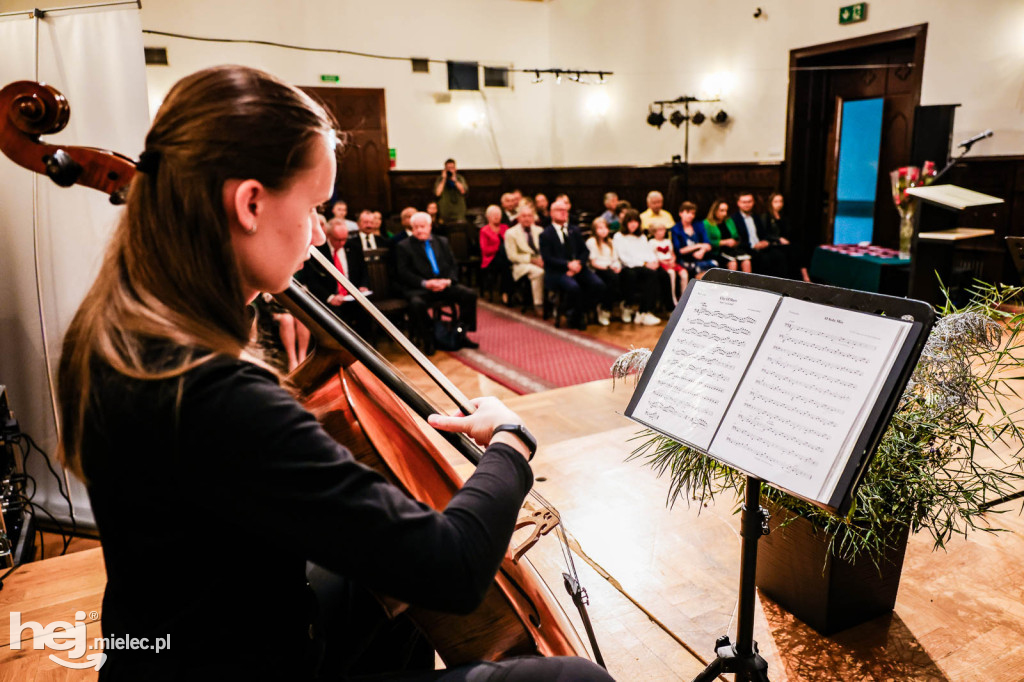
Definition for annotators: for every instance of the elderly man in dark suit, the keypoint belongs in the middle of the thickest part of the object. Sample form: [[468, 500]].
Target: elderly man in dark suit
[[428, 274], [565, 258], [767, 258], [347, 256]]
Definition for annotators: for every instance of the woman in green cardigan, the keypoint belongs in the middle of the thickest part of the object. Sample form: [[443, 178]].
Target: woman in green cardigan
[[724, 238]]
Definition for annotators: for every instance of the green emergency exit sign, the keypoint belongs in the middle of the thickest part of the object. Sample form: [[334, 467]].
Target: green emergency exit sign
[[851, 14], [330, 77]]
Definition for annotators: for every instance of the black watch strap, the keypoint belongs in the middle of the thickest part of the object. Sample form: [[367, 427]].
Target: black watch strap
[[520, 432]]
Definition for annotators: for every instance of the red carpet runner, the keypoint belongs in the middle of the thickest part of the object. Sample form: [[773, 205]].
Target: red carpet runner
[[528, 355]]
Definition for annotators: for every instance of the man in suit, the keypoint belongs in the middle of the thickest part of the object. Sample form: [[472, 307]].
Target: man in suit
[[428, 274], [766, 258], [522, 246], [565, 258], [347, 256], [406, 228], [369, 232]]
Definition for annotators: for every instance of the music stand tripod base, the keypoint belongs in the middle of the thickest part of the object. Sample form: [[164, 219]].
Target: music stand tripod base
[[742, 658]]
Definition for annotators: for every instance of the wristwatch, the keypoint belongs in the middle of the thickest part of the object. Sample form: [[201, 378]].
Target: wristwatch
[[520, 432]]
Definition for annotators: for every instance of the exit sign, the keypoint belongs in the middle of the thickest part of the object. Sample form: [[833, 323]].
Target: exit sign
[[330, 77], [851, 14]]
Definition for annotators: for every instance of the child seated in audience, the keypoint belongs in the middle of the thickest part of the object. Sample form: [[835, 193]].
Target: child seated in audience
[[691, 242], [605, 263], [639, 273], [667, 260]]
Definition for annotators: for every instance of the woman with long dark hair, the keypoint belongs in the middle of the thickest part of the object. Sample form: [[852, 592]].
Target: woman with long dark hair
[[211, 486]]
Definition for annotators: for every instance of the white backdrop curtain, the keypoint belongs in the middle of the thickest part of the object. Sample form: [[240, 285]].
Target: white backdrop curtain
[[52, 239]]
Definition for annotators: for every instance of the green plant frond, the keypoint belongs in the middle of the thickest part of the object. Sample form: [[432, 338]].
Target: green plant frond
[[934, 469]]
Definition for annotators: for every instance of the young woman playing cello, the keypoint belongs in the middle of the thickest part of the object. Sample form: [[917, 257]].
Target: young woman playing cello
[[211, 486]]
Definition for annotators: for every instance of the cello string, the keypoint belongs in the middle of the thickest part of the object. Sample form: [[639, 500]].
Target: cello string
[[457, 396]]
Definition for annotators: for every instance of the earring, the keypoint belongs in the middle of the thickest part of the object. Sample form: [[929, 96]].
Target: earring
[[250, 230]]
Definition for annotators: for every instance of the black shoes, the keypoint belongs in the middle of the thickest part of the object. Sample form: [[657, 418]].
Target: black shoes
[[466, 343]]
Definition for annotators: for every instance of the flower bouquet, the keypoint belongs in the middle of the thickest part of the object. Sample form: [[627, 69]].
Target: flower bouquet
[[903, 179]]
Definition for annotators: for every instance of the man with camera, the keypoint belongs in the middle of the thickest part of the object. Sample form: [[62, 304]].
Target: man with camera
[[451, 189]]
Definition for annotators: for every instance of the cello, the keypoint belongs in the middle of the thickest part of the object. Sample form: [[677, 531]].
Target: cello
[[363, 403]]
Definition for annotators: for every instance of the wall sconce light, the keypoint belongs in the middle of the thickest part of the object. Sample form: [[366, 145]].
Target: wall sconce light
[[698, 118], [720, 117], [656, 118], [677, 118]]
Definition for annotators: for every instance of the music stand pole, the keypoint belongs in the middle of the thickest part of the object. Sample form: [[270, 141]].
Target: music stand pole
[[742, 658]]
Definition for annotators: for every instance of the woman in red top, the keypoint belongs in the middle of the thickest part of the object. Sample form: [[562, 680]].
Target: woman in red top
[[494, 264]]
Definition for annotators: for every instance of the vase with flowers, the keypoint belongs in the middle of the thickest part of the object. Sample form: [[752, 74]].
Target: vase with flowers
[[903, 179]]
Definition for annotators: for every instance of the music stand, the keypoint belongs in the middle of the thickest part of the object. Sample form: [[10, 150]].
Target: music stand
[[742, 657]]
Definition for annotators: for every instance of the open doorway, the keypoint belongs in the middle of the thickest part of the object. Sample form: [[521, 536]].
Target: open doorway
[[823, 78], [860, 136]]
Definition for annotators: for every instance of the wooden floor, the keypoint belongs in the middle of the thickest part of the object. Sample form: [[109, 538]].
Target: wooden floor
[[959, 615]]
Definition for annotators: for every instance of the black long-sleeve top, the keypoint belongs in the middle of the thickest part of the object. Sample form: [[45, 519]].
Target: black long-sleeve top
[[209, 513]]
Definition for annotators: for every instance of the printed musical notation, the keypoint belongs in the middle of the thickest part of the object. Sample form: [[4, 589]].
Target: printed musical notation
[[777, 387], [703, 359], [805, 397]]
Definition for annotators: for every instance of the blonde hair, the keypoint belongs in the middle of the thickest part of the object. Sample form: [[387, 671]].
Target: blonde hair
[[169, 281]]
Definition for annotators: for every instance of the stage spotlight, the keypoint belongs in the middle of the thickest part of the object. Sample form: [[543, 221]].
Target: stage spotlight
[[720, 117], [558, 77], [656, 118], [698, 118], [537, 78], [677, 118]]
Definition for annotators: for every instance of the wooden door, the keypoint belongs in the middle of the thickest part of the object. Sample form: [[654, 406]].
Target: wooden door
[[364, 162], [887, 65]]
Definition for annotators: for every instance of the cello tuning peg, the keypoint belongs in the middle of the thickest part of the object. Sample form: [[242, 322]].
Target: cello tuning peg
[[61, 168]]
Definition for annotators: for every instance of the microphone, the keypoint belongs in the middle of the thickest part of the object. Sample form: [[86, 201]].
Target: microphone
[[980, 136]]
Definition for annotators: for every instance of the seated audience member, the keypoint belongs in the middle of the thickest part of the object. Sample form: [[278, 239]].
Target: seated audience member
[[565, 266], [610, 216], [655, 214], [340, 210], [522, 247], [665, 252], [432, 212], [724, 237], [767, 258], [605, 265], [368, 237], [777, 232], [428, 274], [494, 266], [517, 198], [508, 209], [378, 221], [639, 275], [406, 228], [347, 256], [540, 202], [693, 250]]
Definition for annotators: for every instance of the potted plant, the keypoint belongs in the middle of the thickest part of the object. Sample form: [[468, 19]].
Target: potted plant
[[926, 475]]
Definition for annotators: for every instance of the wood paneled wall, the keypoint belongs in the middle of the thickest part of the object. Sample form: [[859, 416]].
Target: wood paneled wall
[[586, 186], [1001, 176]]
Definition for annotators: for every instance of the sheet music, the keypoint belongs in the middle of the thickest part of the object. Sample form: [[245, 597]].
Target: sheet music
[[703, 361], [807, 395]]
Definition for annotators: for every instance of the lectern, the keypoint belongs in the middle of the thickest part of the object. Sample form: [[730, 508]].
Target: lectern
[[934, 251]]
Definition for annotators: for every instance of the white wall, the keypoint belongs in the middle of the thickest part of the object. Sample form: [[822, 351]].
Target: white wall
[[661, 49], [422, 131]]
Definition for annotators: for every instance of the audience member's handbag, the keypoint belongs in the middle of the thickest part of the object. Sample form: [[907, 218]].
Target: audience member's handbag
[[447, 335]]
